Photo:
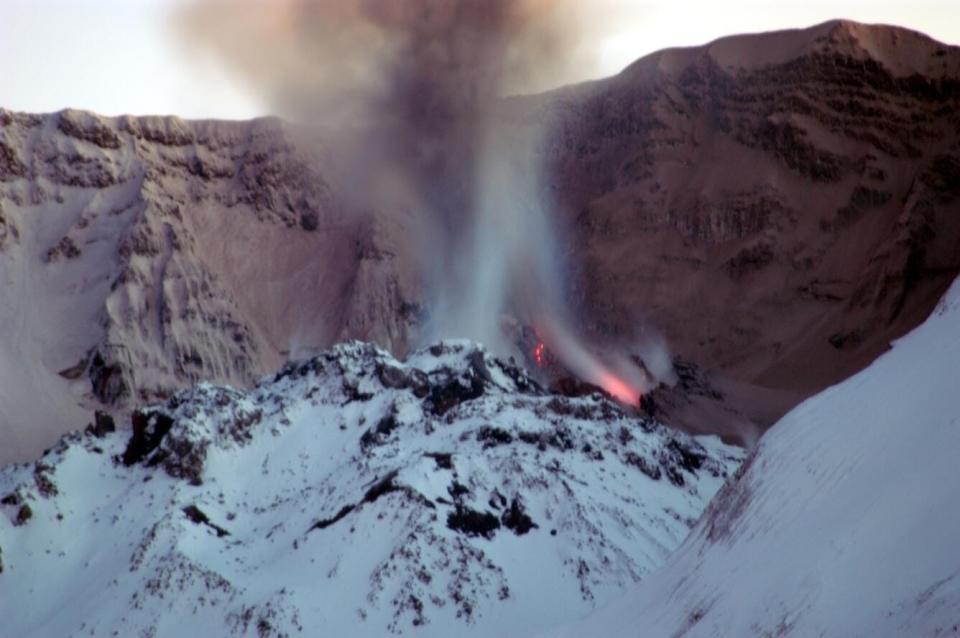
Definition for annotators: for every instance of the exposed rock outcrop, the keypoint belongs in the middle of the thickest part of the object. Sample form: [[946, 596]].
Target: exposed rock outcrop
[[754, 197], [220, 504]]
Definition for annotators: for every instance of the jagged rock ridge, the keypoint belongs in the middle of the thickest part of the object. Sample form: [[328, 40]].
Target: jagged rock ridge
[[352, 493]]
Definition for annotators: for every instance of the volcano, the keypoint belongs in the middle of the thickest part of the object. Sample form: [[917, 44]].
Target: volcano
[[777, 207], [705, 432]]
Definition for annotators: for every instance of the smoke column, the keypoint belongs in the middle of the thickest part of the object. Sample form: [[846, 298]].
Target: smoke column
[[411, 96]]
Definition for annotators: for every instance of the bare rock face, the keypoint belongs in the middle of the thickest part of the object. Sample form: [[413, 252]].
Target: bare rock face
[[146, 254], [781, 206]]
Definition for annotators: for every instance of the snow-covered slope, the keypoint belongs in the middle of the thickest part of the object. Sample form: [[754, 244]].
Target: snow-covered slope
[[844, 522], [350, 494]]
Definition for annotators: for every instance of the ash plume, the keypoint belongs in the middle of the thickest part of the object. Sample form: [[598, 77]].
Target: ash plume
[[410, 96]]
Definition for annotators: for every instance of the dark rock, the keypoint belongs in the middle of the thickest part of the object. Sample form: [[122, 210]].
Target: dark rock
[[515, 518], [569, 386], [675, 475], [353, 393], [298, 369], [45, 485], [559, 438], [497, 500], [240, 428], [687, 457], [443, 461], [197, 167], [419, 383], [149, 428], [648, 405], [391, 376], [66, 248], [107, 380], [327, 522], [72, 124], [562, 406], [11, 166], [457, 490], [492, 436], [386, 485], [591, 452], [102, 425], [458, 390], [790, 144], [24, 514], [379, 434], [183, 458], [399, 379], [197, 516], [309, 221], [647, 467], [473, 523], [13, 498], [529, 437], [163, 132], [478, 366]]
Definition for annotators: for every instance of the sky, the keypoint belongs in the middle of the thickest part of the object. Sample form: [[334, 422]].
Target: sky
[[124, 56]]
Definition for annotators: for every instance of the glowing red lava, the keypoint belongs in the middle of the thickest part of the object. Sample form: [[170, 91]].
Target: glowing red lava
[[619, 389], [538, 354], [597, 374]]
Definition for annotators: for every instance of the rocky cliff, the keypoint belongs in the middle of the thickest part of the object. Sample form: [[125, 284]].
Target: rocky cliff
[[781, 206], [778, 206], [138, 255]]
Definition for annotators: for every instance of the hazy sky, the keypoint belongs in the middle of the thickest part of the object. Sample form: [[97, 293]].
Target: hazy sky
[[122, 56]]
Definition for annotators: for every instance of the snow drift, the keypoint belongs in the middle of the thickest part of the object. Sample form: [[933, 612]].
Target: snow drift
[[843, 522]]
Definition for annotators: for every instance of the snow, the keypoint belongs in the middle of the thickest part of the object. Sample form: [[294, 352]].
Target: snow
[[336, 482], [844, 521]]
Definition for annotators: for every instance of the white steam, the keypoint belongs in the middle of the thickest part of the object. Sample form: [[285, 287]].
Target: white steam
[[409, 93]]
